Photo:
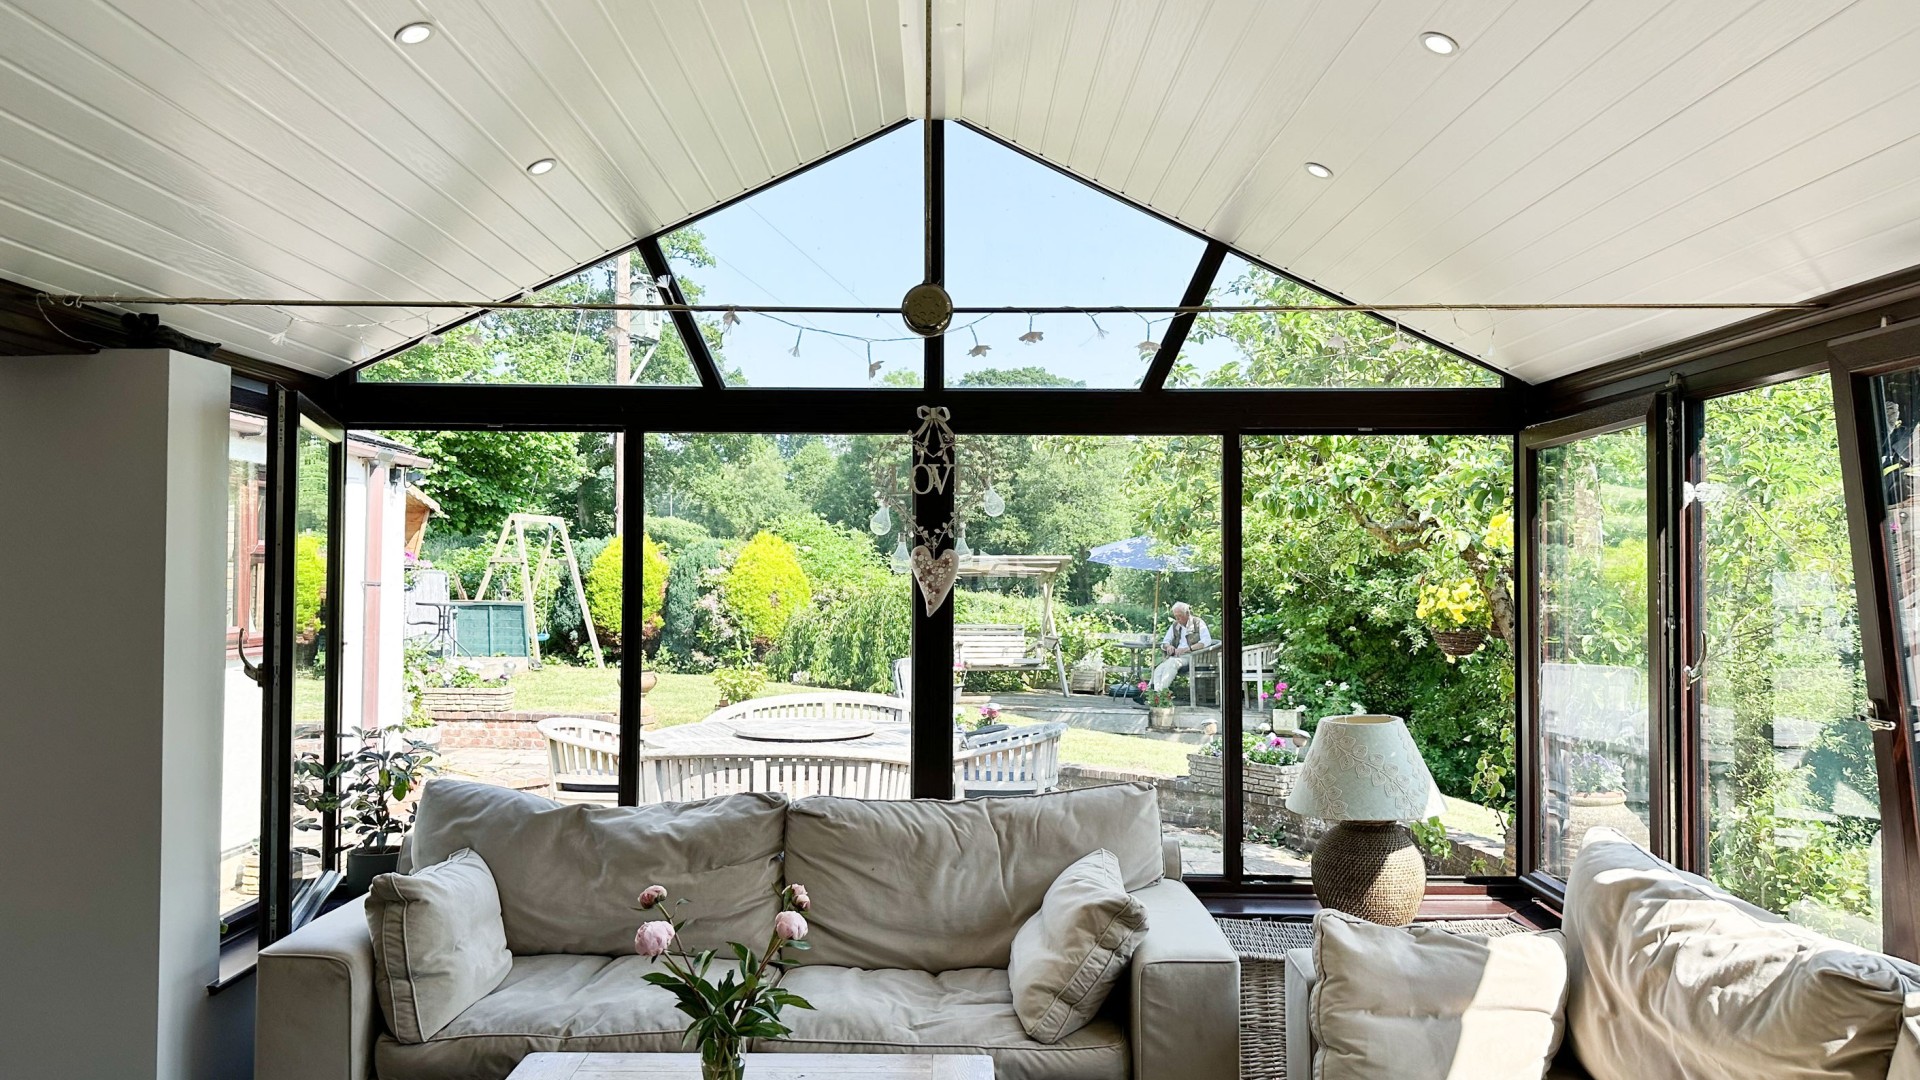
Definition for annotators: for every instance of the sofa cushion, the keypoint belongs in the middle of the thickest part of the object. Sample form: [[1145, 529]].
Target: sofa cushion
[[905, 1012], [1421, 1002], [936, 886], [438, 945], [1068, 955], [1674, 977], [568, 875], [553, 1003]]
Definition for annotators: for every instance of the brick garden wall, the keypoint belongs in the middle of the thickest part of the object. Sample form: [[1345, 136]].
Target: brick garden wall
[[500, 730], [1195, 802]]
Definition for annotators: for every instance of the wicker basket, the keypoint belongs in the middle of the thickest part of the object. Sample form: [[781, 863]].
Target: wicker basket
[[1461, 642]]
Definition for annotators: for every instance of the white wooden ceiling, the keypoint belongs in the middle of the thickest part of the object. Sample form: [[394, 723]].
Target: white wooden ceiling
[[1603, 151]]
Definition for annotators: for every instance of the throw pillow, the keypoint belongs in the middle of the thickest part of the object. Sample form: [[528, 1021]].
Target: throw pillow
[[1068, 955], [438, 944], [1425, 1004], [1672, 976]]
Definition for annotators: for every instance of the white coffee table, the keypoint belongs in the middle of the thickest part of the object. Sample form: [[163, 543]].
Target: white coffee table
[[759, 1067]]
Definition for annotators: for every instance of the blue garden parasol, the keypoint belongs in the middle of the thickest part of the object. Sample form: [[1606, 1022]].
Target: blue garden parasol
[[1137, 553]]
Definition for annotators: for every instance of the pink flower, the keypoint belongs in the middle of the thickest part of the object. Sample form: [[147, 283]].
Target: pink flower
[[790, 926], [1279, 688], [651, 896], [652, 938], [798, 894], [1143, 684]]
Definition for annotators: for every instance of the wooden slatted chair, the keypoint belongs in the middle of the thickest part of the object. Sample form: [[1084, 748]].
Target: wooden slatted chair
[[583, 760], [1018, 761], [805, 708]]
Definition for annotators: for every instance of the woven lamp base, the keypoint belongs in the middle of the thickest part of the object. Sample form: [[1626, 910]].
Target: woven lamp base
[[1371, 869]]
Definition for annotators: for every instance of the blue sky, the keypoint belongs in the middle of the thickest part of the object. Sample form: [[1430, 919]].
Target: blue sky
[[849, 233]]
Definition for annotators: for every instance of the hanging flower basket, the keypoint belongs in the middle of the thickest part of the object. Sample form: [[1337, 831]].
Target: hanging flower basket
[[1463, 641]]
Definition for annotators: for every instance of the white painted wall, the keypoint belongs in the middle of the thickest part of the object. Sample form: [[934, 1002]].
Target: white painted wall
[[112, 494]]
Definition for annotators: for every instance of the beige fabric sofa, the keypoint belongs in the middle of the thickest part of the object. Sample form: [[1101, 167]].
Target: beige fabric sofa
[[1668, 975], [915, 905]]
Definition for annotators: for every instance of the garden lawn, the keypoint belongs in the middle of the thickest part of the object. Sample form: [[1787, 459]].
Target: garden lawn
[[1130, 753]]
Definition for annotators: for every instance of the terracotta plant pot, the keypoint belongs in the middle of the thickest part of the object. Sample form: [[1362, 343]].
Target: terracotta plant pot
[[1587, 809]]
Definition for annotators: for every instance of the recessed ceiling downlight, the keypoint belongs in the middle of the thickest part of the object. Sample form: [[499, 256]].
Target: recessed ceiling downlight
[[544, 165], [413, 33], [1318, 171], [1437, 42]]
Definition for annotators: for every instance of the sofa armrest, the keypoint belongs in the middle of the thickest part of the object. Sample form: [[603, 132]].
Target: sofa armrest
[[1170, 858], [316, 1016], [1300, 979], [1184, 1008]]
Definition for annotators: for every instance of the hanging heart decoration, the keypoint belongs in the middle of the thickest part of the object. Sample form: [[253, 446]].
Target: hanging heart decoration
[[936, 575]]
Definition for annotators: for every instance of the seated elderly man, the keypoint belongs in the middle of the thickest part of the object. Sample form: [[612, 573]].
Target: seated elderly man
[[1187, 633]]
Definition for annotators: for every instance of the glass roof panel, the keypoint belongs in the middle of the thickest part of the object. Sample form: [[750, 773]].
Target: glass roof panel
[[1301, 350], [1020, 233], [846, 233], [554, 347]]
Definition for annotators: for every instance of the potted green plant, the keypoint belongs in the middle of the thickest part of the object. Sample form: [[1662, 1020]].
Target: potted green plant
[[365, 788], [1159, 705]]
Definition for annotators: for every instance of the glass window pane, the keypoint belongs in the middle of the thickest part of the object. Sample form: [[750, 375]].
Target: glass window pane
[[1020, 233], [492, 601], [1792, 800], [314, 646], [245, 589], [597, 348], [1591, 551], [1897, 400], [777, 581], [847, 233], [1305, 350], [1377, 577], [1087, 624]]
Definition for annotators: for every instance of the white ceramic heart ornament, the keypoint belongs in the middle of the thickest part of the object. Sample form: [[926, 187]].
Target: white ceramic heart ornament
[[936, 575]]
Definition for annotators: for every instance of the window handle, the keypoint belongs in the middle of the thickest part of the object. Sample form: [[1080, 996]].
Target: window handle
[[1871, 718], [252, 669]]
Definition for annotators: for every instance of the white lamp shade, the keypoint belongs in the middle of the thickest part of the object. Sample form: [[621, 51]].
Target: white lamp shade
[[1365, 768]]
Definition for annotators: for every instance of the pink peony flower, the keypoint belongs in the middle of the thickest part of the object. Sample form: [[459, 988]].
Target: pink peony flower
[[1279, 688], [652, 895], [790, 926], [798, 893], [653, 938]]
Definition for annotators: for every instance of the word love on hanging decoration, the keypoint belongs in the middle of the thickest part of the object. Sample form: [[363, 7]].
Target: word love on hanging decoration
[[934, 569]]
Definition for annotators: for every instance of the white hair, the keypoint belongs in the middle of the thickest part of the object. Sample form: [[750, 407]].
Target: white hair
[[1180, 606]]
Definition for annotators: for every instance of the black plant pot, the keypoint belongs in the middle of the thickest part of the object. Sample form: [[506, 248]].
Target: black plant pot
[[366, 863]]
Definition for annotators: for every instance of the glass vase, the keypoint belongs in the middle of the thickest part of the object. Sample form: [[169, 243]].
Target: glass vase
[[720, 1059]]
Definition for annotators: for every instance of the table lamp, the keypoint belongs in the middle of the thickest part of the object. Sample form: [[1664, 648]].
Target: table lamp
[[1364, 774]]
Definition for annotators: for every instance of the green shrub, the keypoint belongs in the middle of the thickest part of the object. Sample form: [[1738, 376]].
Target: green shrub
[[309, 583], [765, 588], [852, 643], [566, 626], [739, 683], [693, 575], [837, 559], [676, 534], [604, 588]]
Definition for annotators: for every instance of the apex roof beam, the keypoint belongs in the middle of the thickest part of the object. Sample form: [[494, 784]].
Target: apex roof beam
[[683, 321], [1182, 324]]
